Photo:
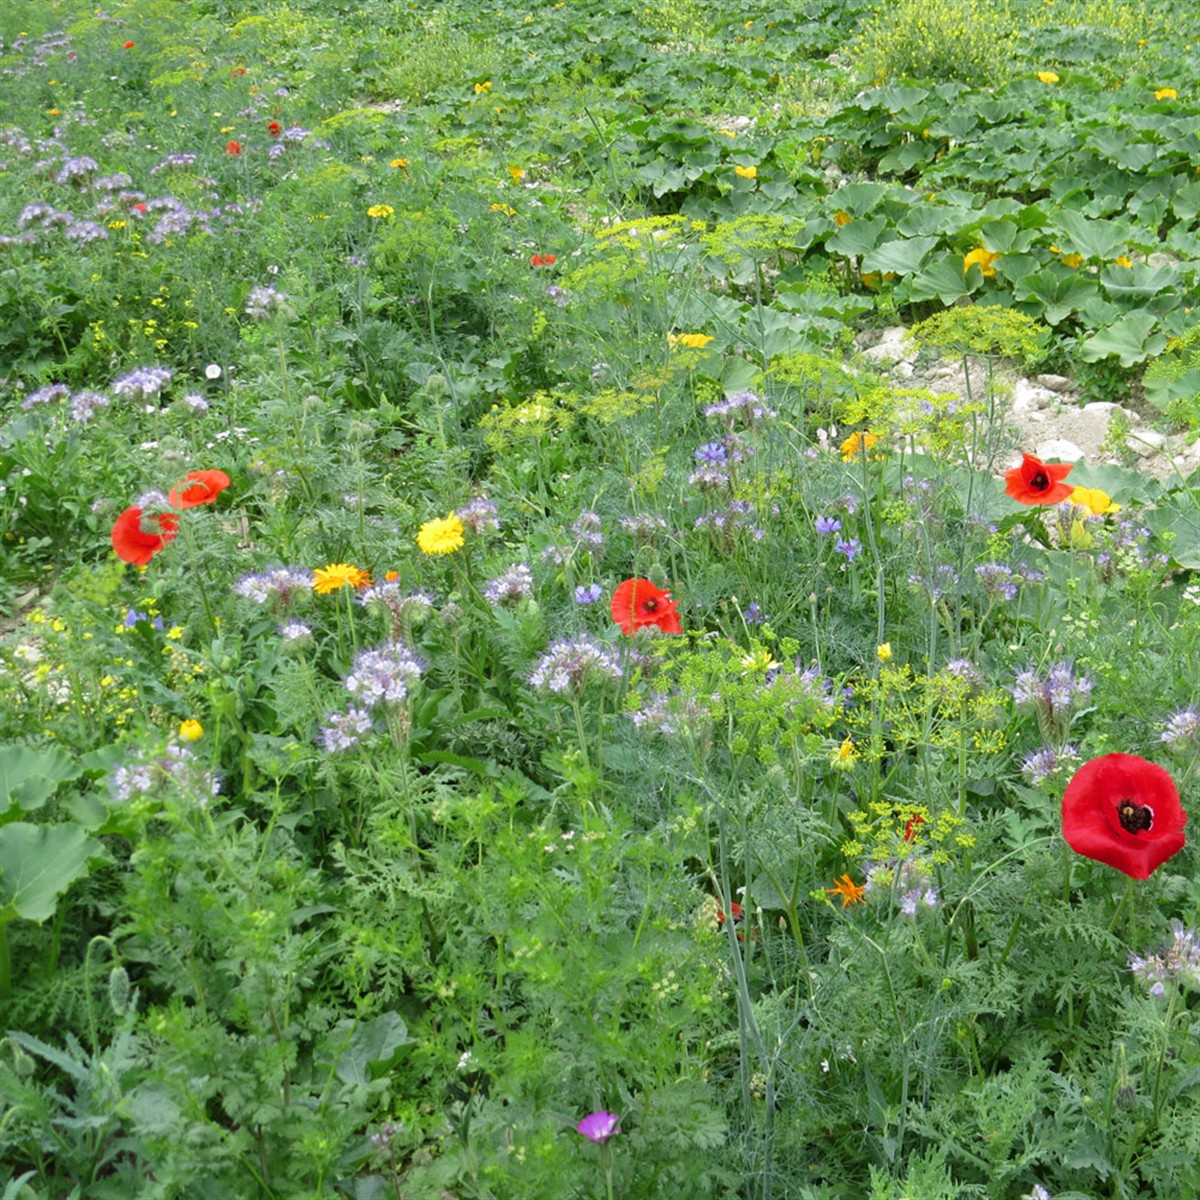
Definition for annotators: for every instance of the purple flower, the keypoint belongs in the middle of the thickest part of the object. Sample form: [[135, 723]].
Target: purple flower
[[275, 583], [587, 528], [478, 514], [383, 674], [849, 548], [588, 593], [344, 729], [755, 615], [828, 525], [263, 301], [567, 664], [142, 383], [515, 585], [1182, 727], [599, 1126], [711, 453], [1039, 765]]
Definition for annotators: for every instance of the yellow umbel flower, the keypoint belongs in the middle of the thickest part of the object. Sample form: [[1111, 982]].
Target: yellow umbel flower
[[442, 535], [1096, 501], [338, 575], [191, 730], [380, 210], [1047, 77]]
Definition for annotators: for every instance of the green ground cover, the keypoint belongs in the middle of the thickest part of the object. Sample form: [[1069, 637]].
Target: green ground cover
[[499, 699]]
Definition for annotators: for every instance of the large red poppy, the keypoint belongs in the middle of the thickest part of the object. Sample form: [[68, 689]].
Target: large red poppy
[[198, 487], [1036, 482], [1124, 811], [637, 603], [133, 544]]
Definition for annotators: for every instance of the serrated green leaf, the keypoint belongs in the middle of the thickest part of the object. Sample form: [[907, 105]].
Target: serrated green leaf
[[902, 256]]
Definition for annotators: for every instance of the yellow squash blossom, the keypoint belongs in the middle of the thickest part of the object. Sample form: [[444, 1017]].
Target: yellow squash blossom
[[1047, 77], [693, 341], [1072, 260], [191, 730], [1166, 94], [983, 259], [841, 218], [1096, 501], [746, 172], [442, 535], [1123, 261]]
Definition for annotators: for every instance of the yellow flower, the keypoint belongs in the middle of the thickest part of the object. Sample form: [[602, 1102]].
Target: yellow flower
[[1122, 261], [175, 632], [190, 730], [983, 259], [850, 892], [746, 172], [883, 652], [729, 133], [398, 162], [1055, 250], [844, 757], [380, 210], [1072, 260], [693, 341], [758, 660], [856, 443], [1166, 94], [1097, 502], [1047, 77], [441, 535], [842, 218], [517, 173], [338, 575], [482, 89], [506, 209]]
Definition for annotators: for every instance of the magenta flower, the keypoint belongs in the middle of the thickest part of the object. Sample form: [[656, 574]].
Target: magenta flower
[[598, 1126]]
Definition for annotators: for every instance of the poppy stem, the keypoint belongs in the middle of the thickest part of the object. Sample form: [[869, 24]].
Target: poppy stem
[[1121, 906]]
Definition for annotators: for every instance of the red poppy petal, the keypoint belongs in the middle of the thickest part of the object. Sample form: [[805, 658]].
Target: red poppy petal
[[198, 487], [1091, 825], [132, 544]]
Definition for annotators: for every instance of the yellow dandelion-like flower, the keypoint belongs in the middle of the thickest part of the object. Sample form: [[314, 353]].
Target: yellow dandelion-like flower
[[746, 172], [729, 133], [517, 173], [398, 163], [883, 652], [482, 89], [506, 209], [1166, 94], [380, 210], [856, 443], [442, 535], [693, 341], [1047, 77], [1095, 500], [191, 730], [338, 575], [983, 259]]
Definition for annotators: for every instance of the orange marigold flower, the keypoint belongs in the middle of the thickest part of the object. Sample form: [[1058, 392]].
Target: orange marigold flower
[[339, 575]]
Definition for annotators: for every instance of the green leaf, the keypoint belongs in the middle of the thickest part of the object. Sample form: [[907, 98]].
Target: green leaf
[[1056, 295], [943, 280], [944, 219], [857, 237], [1179, 514], [902, 256], [1141, 280], [1187, 201], [1129, 339], [29, 777], [372, 1044], [1093, 239], [37, 864]]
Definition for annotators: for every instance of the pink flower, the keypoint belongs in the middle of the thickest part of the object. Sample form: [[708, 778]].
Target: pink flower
[[598, 1126]]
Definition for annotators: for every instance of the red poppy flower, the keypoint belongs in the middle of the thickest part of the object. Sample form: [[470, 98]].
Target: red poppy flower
[[139, 207], [274, 128], [1036, 482], [637, 603], [541, 260], [910, 828], [198, 487], [237, 72], [133, 544], [233, 148], [1124, 811], [126, 45]]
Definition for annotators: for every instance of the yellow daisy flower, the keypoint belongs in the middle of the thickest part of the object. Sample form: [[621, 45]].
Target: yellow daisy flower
[[442, 535], [338, 575]]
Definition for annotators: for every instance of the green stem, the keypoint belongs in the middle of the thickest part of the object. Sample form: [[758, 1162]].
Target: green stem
[[5, 964]]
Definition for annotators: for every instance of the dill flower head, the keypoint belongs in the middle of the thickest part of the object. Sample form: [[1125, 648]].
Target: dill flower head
[[442, 535], [338, 575]]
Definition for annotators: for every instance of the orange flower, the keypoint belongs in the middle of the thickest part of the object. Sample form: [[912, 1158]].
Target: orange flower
[[850, 892], [983, 259], [233, 149], [841, 218], [1036, 482], [198, 487]]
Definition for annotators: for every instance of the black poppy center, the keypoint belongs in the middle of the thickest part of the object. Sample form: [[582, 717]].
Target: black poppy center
[[1134, 818], [650, 605], [1041, 481]]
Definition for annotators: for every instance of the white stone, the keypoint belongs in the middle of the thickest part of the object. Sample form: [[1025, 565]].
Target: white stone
[[1029, 397], [1061, 449], [903, 370], [1145, 442], [892, 346], [1056, 383]]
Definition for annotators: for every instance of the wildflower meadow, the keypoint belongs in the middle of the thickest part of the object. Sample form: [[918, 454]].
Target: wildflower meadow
[[551, 647]]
